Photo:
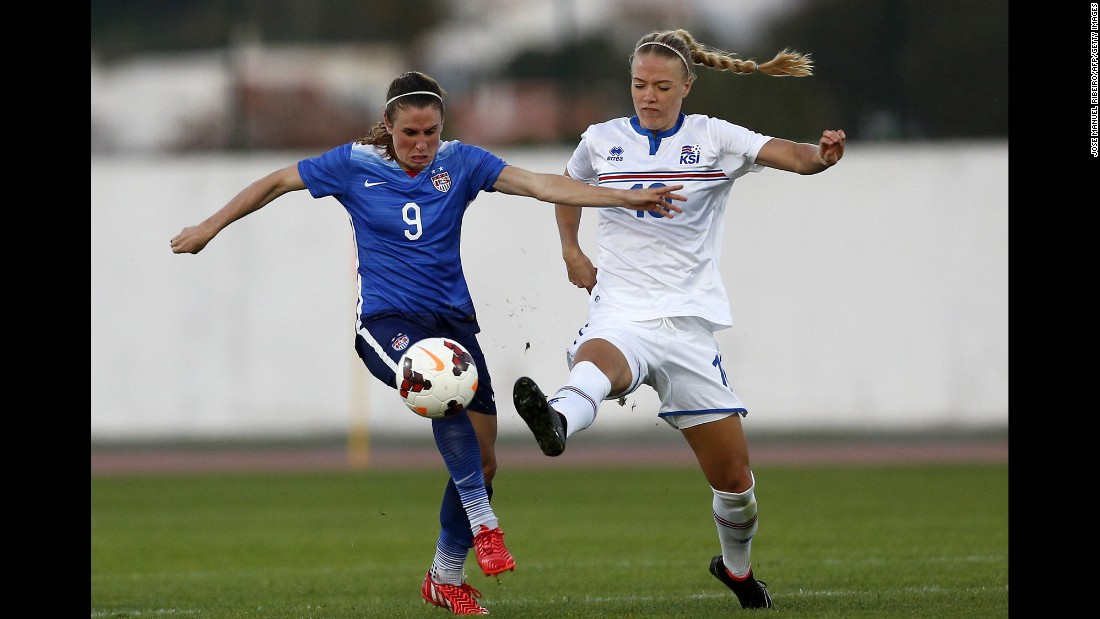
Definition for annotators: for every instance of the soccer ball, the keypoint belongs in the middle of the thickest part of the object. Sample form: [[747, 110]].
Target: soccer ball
[[437, 377]]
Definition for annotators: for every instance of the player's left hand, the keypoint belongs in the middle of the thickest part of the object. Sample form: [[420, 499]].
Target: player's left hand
[[580, 269], [831, 146]]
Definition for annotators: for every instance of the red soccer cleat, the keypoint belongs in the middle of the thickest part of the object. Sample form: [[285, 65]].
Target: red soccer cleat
[[459, 599], [492, 556]]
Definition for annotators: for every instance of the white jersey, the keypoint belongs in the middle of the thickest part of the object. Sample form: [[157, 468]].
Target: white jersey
[[652, 266]]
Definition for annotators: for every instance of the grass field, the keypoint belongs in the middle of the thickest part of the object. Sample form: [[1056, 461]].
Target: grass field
[[906, 540]]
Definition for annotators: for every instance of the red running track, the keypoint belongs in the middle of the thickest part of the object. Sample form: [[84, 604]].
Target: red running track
[[579, 454]]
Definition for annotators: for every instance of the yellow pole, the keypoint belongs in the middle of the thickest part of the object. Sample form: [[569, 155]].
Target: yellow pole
[[359, 431], [359, 428]]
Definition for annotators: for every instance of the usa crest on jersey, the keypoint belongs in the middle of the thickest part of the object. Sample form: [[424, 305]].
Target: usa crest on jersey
[[400, 342], [442, 181]]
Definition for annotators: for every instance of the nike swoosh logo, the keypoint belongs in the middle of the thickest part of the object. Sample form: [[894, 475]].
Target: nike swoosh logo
[[438, 362], [370, 184]]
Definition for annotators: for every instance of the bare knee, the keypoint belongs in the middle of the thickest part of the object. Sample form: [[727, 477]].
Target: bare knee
[[735, 479], [609, 359], [722, 452]]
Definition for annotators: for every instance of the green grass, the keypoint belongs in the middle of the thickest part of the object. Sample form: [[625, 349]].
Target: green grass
[[845, 541]]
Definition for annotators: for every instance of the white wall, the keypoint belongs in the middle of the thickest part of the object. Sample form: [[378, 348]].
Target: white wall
[[873, 296]]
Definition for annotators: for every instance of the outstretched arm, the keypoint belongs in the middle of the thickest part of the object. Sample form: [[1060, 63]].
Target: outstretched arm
[[803, 158], [192, 239], [564, 190]]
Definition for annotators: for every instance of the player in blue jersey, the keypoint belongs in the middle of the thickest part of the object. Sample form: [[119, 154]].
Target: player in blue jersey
[[406, 192], [658, 297]]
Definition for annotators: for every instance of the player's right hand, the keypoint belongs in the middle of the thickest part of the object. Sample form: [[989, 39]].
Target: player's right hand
[[190, 240]]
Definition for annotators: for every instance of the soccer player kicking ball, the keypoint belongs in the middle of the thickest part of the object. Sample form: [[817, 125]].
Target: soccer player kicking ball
[[406, 192], [658, 297]]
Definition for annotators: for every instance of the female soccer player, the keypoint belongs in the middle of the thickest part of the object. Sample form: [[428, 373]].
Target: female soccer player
[[406, 192], [658, 296]]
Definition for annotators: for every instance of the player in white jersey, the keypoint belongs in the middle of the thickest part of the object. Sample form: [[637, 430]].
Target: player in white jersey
[[406, 192], [657, 297]]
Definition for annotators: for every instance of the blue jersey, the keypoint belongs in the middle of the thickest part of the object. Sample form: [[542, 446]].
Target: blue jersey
[[408, 231]]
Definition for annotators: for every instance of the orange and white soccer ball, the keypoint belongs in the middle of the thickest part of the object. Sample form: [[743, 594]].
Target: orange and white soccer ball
[[436, 377]]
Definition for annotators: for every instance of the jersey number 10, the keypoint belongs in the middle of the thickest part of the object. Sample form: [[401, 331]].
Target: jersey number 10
[[650, 213]]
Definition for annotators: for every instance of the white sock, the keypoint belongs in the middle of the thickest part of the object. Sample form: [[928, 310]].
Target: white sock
[[448, 576], [490, 523], [579, 398], [735, 516]]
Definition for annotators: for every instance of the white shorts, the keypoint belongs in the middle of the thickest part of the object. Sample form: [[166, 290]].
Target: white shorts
[[679, 358]]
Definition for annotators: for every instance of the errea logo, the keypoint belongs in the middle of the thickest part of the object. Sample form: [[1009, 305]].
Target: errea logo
[[616, 154]]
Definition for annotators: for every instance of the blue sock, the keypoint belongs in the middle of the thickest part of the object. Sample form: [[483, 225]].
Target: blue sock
[[453, 521], [457, 443]]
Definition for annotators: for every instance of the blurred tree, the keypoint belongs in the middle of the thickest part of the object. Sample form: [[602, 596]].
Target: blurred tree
[[906, 69], [792, 108], [593, 89], [884, 69], [122, 28]]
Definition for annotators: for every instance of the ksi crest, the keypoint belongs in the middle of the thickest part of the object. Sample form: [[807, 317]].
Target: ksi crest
[[442, 181]]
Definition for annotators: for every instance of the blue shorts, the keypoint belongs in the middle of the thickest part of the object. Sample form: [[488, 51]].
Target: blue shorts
[[381, 340]]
